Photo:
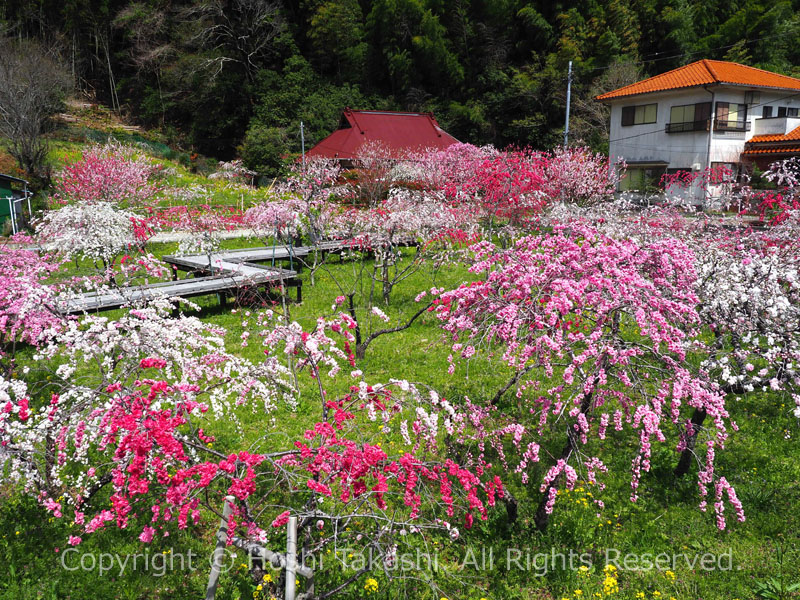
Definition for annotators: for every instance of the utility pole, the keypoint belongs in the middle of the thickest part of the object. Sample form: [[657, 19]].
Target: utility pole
[[569, 97], [291, 558], [303, 145]]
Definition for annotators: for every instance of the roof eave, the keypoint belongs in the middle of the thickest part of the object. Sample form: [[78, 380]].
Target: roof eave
[[664, 91], [12, 178], [701, 85]]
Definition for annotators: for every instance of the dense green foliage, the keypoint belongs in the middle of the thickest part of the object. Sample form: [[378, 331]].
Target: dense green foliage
[[492, 71]]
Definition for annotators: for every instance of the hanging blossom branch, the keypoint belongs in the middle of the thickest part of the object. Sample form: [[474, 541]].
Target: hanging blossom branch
[[604, 326], [747, 287]]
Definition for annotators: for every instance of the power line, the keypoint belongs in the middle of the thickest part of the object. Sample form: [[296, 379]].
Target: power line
[[689, 54]]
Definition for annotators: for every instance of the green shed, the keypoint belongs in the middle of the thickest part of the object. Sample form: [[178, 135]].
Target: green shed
[[11, 200]]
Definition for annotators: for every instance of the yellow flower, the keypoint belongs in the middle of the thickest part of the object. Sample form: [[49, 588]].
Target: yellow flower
[[609, 569], [578, 592], [371, 586], [610, 585], [669, 575], [656, 594], [260, 587], [268, 578]]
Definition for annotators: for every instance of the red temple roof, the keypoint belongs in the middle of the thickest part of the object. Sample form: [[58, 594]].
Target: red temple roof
[[398, 131]]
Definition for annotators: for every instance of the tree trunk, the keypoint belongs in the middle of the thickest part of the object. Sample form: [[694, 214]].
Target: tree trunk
[[688, 453]]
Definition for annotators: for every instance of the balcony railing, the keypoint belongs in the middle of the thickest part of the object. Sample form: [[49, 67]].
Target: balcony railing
[[726, 125], [701, 125]]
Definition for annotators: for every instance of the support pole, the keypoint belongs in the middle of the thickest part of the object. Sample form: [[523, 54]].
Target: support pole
[[569, 98], [303, 145], [291, 558], [11, 214], [219, 550]]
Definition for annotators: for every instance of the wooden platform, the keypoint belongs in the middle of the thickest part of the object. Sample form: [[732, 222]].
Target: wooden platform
[[228, 271], [222, 284], [233, 260]]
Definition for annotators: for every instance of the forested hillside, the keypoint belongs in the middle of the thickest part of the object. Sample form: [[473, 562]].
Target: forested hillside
[[227, 77]]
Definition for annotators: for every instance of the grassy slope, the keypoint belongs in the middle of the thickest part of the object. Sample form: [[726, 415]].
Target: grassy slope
[[760, 461]]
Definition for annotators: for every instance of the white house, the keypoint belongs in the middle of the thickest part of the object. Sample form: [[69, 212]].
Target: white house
[[697, 117]]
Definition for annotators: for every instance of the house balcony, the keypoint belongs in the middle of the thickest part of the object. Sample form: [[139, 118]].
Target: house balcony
[[775, 125], [726, 125], [701, 125]]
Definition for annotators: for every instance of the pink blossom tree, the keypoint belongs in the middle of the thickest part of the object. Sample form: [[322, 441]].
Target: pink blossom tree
[[28, 305], [579, 176], [598, 331], [110, 173], [783, 204]]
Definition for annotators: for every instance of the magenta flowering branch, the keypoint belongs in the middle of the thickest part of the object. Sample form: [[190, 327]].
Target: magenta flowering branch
[[124, 435]]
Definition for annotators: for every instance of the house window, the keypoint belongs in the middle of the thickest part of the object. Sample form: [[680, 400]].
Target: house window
[[640, 179], [781, 111], [639, 115], [731, 116], [785, 111], [766, 112], [689, 117], [751, 98]]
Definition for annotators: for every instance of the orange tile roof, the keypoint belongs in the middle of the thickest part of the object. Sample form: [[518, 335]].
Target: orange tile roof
[[779, 150], [705, 72], [788, 137]]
